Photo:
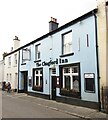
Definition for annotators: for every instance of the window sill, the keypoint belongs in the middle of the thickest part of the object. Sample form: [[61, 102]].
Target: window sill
[[23, 64], [89, 91], [70, 54], [37, 61]]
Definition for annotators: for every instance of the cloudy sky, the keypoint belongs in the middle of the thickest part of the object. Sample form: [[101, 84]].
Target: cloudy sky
[[28, 19]]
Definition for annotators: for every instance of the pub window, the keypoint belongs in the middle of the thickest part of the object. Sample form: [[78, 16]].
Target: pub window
[[70, 78], [38, 80], [25, 54], [70, 81], [67, 43], [37, 52], [89, 82]]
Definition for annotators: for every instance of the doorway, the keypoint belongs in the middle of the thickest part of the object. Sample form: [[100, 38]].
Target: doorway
[[25, 78], [53, 87]]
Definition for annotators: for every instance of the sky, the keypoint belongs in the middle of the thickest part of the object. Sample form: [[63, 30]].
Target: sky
[[28, 19]]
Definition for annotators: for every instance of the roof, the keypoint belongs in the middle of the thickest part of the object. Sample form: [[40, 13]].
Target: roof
[[57, 30]]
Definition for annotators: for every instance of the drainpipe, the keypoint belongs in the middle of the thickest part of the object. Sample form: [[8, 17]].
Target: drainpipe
[[97, 59], [18, 69]]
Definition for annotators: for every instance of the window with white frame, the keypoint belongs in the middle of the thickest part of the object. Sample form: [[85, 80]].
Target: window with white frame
[[26, 54], [15, 59], [67, 43], [9, 61], [38, 80], [71, 78], [37, 52]]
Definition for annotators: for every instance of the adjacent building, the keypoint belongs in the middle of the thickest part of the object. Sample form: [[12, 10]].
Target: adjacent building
[[102, 19], [62, 65], [11, 65], [1, 71]]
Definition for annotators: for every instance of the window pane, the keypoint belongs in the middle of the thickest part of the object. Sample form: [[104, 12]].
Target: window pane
[[67, 37], [41, 80], [75, 69], [26, 54], [67, 82], [37, 80], [89, 84], [38, 55], [36, 71], [76, 83], [40, 71], [66, 70], [67, 43], [38, 52]]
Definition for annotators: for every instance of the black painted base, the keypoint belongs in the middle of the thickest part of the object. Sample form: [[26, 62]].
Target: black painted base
[[20, 91], [78, 102], [67, 100], [39, 95]]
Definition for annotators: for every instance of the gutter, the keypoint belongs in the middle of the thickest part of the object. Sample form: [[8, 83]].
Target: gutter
[[97, 60]]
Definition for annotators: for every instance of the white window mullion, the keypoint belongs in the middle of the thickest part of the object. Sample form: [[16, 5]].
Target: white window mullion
[[63, 82], [71, 81], [35, 81], [63, 78], [71, 78], [35, 78]]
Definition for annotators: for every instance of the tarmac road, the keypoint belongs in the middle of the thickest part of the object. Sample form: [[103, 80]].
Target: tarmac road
[[19, 106]]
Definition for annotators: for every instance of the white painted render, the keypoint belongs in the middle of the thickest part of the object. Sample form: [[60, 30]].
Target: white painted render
[[11, 71], [1, 71]]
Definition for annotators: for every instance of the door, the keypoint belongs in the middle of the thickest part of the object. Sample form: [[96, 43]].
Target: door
[[25, 81], [53, 87]]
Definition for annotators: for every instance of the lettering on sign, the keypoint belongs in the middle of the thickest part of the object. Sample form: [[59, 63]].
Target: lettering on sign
[[51, 62]]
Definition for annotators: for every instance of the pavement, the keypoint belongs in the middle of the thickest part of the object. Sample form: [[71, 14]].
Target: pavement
[[81, 112]]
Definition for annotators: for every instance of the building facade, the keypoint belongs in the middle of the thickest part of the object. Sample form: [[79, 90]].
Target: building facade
[[102, 20], [103, 41], [62, 65], [11, 65], [1, 71]]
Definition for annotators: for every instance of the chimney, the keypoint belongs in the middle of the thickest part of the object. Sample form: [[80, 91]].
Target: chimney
[[16, 43], [53, 24]]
